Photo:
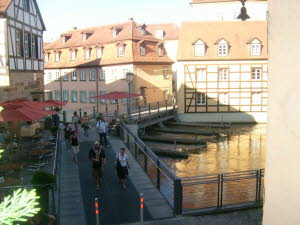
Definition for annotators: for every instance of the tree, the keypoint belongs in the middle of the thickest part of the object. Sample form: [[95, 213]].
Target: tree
[[19, 206]]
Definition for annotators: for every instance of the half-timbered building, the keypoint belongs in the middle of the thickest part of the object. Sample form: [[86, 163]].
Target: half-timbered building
[[21, 50], [223, 71]]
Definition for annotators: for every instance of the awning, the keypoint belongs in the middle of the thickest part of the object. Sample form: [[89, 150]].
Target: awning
[[116, 95]]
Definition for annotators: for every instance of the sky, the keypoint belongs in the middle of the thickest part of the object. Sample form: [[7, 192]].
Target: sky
[[62, 15]]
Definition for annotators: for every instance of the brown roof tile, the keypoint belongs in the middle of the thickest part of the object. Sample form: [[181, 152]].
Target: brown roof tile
[[237, 33], [4, 5]]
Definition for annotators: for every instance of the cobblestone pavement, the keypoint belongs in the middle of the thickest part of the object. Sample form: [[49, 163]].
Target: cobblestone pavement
[[246, 217]]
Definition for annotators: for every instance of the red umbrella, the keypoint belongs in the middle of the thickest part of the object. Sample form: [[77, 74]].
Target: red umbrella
[[49, 103], [23, 103], [116, 95], [14, 113]]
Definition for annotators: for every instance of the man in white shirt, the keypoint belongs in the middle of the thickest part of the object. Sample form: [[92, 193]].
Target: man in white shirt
[[101, 127]]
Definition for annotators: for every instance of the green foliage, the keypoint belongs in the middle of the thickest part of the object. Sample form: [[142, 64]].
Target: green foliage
[[1, 150], [19, 206], [48, 123], [41, 177]]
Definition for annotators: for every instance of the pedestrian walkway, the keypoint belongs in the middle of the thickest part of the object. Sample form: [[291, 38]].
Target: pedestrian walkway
[[116, 205], [71, 207]]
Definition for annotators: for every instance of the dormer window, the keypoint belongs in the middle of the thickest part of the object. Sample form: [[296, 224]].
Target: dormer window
[[142, 29], [73, 54], [86, 35], [57, 56], [159, 34], [99, 52], [160, 51], [199, 48], [121, 49], [255, 47], [115, 31], [142, 51], [65, 38], [222, 47], [87, 54], [46, 56]]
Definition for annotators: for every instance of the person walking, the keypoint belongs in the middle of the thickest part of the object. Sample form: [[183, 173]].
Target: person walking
[[98, 161], [75, 121], [68, 131], [122, 167], [102, 127], [85, 123], [75, 145]]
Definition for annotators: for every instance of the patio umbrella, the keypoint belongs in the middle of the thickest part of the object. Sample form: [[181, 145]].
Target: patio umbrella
[[54, 103], [24, 103], [116, 95], [15, 113]]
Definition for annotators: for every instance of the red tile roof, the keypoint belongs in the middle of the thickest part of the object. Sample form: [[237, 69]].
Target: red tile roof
[[4, 5]]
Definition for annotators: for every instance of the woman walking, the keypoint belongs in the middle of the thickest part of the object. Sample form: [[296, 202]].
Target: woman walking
[[75, 121], [85, 123], [75, 145], [122, 167]]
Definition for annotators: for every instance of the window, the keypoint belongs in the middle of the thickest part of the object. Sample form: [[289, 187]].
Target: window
[[256, 73], [160, 51], [166, 94], [255, 47], [19, 43], [65, 96], [99, 53], [114, 33], [74, 96], [92, 74], [166, 73], [142, 51], [34, 43], [57, 76], [125, 71], [57, 95], [82, 74], [27, 45], [222, 48], [87, 54], [201, 74], [49, 76], [26, 5], [83, 96], [124, 100], [200, 99], [57, 56], [65, 76], [102, 101], [223, 98], [121, 51], [159, 34], [92, 94], [73, 75], [223, 74], [256, 98], [73, 55], [199, 48], [49, 95], [102, 74], [113, 101], [47, 57]]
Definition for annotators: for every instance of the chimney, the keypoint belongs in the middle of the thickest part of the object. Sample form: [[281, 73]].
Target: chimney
[[74, 28]]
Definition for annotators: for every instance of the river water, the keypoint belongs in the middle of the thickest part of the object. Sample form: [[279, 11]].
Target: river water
[[238, 148]]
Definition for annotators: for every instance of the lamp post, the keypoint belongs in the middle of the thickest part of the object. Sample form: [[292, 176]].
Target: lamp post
[[129, 79]]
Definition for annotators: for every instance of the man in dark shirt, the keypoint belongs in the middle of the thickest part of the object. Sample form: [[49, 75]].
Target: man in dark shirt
[[97, 158], [68, 131]]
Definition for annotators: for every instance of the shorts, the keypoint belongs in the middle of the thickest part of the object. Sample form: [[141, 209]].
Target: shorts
[[97, 171], [75, 149]]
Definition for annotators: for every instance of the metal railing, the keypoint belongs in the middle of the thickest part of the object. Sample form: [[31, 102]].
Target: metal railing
[[226, 191], [161, 176], [199, 194]]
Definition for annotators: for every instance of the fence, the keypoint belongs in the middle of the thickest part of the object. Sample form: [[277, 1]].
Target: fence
[[201, 194], [161, 176]]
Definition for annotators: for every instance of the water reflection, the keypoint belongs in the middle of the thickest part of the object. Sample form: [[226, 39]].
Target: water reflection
[[241, 147]]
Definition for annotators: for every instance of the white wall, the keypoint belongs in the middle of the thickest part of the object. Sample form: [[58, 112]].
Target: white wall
[[282, 180], [228, 11], [4, 76]]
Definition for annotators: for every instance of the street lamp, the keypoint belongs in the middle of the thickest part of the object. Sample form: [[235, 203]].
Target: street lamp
[[129, 79], [243, 15]]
